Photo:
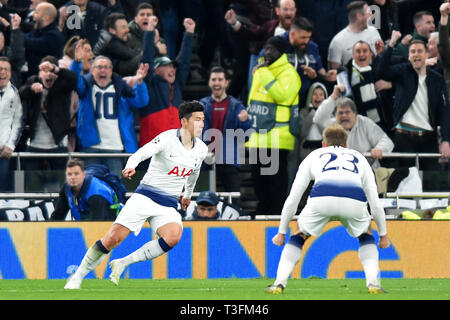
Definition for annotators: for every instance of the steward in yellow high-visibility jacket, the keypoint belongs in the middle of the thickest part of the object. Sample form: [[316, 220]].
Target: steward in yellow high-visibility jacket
[[274, 92], [273, 97]]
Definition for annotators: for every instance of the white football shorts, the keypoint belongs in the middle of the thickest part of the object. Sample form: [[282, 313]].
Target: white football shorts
[[139, 208], [353, 215]]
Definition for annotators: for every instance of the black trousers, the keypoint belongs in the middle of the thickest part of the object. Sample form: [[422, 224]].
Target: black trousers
[[271, 189], [427, 143], [229, 177]]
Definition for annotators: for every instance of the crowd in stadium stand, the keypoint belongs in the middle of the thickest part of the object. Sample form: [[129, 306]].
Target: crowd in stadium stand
[[107, 76]]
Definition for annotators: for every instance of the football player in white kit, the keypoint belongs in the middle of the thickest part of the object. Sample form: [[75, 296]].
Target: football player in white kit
[[177, 155], [343, 185]]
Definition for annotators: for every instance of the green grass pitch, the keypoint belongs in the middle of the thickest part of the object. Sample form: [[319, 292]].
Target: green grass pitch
[[224, 289]]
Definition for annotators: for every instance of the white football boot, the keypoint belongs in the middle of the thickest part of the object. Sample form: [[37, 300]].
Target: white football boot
[[116, 270], [73, 283]]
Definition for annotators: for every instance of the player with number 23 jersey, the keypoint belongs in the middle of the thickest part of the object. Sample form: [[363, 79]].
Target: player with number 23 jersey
[[337, 172]]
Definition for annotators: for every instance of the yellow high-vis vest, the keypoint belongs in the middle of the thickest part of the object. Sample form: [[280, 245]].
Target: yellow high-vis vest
[[273, 94]]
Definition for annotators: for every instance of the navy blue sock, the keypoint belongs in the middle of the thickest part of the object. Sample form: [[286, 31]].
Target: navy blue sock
[[366, 238], [163, 244], [297, 240], [101, 247]]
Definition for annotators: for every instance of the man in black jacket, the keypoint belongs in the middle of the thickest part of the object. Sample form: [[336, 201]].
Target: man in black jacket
[[45, 39], [421, 104], [112, 43], [46, 100]]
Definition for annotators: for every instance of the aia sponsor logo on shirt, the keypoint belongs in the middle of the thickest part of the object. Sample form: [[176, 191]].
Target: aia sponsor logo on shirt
[[183, 174]]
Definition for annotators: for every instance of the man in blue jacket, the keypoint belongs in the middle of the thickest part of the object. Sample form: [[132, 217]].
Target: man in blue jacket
[[105, 119], [224, 115], [87, 197]]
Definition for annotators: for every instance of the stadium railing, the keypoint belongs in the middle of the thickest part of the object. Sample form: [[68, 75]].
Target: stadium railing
[[229, 196], [19, 176]]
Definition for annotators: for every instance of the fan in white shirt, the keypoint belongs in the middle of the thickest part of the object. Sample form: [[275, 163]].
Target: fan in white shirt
[[340, 49], [177, 156]]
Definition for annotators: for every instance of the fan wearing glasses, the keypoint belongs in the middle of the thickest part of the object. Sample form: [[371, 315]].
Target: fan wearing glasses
[[105, 117]]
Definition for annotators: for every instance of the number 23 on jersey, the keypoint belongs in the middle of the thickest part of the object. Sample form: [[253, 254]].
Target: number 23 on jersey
[[348, 162]]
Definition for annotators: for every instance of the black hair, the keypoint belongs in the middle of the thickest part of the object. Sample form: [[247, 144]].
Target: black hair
[[418, 41], [186, 109], [110, 20], [143, 6], [302, 23], [219, 69]]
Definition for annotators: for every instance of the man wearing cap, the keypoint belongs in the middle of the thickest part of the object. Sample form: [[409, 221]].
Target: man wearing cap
[[209, 206], [274, 93], [165, 81]]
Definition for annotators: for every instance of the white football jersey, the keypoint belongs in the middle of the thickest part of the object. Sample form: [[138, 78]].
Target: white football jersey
[[337, 172], [172, 166], [107, 115]]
